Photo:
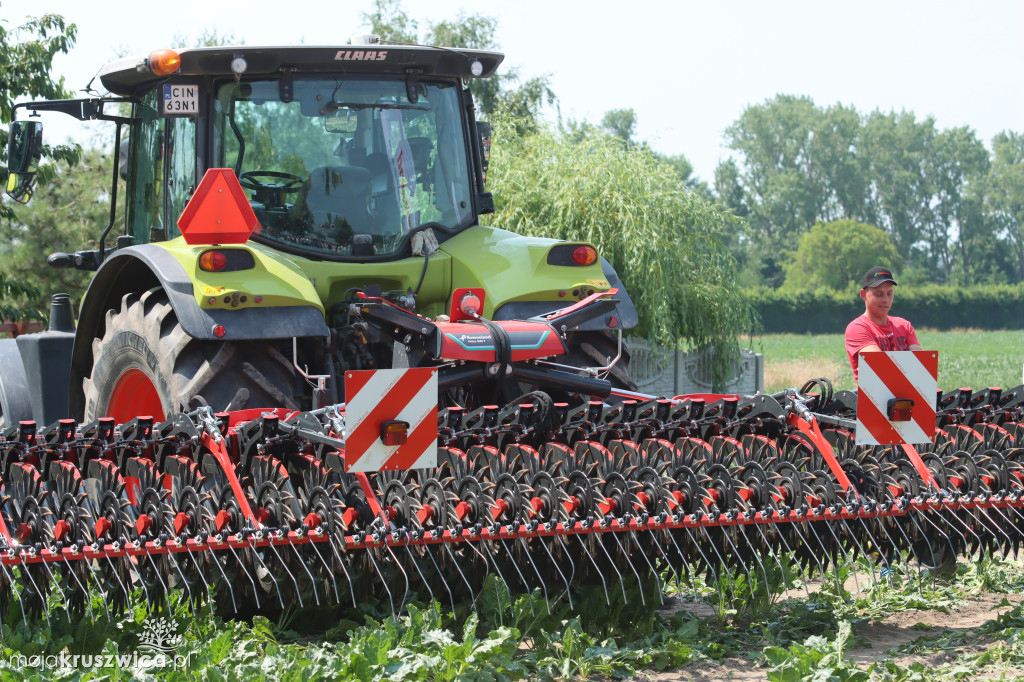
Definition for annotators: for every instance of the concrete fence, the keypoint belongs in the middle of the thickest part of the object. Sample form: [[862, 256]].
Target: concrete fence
[[675, 372]]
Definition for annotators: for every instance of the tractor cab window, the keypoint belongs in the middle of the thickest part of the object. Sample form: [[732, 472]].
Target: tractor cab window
[[164, 176], [346, 166]]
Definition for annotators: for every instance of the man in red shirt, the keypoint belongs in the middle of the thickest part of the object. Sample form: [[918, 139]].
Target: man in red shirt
[[876, 329]]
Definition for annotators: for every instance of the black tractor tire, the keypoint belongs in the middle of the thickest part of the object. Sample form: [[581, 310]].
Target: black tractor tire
[[144, 335], [597, 349]]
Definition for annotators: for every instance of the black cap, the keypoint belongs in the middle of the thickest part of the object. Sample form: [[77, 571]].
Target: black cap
[[875, 276]]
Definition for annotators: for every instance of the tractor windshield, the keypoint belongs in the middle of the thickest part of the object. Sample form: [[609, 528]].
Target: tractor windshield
[[345, 167]]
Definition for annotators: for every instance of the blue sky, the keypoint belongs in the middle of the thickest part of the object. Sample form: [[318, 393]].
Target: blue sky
[[687, 68]]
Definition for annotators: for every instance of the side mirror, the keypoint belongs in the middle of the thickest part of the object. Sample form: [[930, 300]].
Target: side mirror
[[24, 150], [484, 129]]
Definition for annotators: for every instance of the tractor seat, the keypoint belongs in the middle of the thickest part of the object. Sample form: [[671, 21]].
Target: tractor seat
[[334, 201]]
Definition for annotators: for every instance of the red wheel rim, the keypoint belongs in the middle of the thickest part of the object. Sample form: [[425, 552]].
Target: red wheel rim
[[134, 395]]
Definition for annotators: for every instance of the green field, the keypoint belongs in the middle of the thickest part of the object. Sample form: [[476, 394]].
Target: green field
[[966, 358]]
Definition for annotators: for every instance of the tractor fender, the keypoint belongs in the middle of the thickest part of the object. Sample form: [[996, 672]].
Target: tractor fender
[[625, 312], [144, 266], [15, 397]]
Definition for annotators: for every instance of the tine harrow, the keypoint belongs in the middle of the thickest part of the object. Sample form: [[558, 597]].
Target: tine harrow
[[257, 511]]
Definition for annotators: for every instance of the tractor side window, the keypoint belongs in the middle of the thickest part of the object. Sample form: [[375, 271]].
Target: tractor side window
[[181, 170], [146, 193]]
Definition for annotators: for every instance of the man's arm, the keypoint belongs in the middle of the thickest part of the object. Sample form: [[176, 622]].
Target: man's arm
[[915, 346], [869, 347]]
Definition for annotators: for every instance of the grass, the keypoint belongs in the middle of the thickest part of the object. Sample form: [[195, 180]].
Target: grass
[[966, 358]]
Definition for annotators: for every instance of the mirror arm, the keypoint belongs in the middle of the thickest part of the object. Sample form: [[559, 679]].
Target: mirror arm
[[113, 191]]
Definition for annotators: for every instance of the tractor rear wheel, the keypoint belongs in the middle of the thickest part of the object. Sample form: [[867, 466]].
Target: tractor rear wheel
[[146, 365]]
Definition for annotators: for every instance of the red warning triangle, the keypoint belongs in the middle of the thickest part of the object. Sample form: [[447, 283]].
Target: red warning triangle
[[218, 212]]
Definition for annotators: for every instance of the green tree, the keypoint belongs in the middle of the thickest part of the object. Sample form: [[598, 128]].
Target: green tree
[[504, 89], [834, 255], [667, 245], [620, 123], [1005, 196], [26, 62], [67, 213]]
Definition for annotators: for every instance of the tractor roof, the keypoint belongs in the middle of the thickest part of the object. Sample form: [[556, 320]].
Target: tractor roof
[[125, 76]]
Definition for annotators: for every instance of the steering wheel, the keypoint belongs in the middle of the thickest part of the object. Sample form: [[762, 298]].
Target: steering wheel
[[271, 195]]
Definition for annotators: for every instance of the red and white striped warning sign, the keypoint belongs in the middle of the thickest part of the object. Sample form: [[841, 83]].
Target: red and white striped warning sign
[[887, 375], [374, 397]]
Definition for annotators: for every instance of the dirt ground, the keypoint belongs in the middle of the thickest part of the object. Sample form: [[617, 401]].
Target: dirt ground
[[881, 636]]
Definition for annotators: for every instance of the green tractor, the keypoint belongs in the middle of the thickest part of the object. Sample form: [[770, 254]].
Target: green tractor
[[353, 242]]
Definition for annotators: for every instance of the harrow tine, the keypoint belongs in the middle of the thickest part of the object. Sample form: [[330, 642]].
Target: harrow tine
[[99, 587], [80, 585], [56, 584], [597, 569], [515, 565], [757, 558], [116, 573], [511, 604], [383, 581], [825, 552], [341, 563], [984, 512], [611, 562], [199, 572], [440, 575], [188, 588], [736, 554], [657, 580], [849, 560], [255, 590], [771, 550], [156, 571], [540, 579], [445, 546], [412, 560], [710, 565], [405, 576], [943, 533], [568, 588], [686, 564], [1013, 545], [330, 573], [568, 555], [675, 574], [312, 581], [910, 545], [16, 592], [871, 565], [270, 574]]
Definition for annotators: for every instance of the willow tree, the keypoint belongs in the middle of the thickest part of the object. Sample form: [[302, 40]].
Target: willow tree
[[666, 243]]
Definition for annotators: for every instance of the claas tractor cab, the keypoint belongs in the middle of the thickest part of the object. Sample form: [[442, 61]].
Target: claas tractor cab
[[338, 229]]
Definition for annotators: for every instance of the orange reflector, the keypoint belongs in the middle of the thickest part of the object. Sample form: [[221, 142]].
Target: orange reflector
[[584, 255], [164, 62], [470, 304], [212, 261], [394, 432], [899, 409]]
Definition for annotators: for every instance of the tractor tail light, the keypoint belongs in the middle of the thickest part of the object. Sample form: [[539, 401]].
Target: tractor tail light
[[213, 260], [899, 409], [394, 432], [584, 255]]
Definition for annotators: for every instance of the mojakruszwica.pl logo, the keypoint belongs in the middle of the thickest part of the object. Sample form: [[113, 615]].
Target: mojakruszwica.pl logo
[[157, 648]]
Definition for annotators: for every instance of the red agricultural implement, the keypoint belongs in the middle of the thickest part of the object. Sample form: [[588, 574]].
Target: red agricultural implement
[[257, 509]]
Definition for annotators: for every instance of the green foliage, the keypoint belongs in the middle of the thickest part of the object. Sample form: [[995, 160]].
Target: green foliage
[[505, 89], [13, 295], [825, 311], [800, 164], [667, 245], [620, 123], [68, 213], [818, 658], [832, 255]]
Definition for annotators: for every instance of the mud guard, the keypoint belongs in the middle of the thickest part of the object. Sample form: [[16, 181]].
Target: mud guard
[[141, 267]]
